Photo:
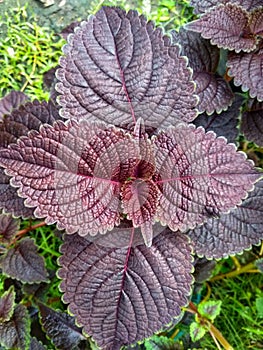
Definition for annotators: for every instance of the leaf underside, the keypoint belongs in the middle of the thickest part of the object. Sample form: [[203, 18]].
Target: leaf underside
[[132, 292], [24, 263], [243, 226], [60, 328], [213, 91], [246, 68], [252, 123], [227, 26], [112, 73], [201, 6], [223, 124]]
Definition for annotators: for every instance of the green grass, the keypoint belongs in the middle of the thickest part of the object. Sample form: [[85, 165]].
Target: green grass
[[26, 52]]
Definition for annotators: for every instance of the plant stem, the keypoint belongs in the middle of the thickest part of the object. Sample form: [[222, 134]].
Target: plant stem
[[30, 228], [215, 333], [236, 272]]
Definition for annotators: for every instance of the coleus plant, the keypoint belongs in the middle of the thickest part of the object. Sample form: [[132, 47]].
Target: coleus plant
[[135, 185]]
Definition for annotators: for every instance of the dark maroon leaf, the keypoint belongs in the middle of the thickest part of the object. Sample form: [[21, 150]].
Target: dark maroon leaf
[[28, 117], [8, 228], [199, 176], [223, 124], [118, 68], [122, 295], [36, 345], [72, 172], [15, 333], [246, 68], [7, 304], [60, 328], [213, 91], [252, 122], [201, 6], [10, 201], [203, 269], [11, 101], [24, 263], [69, 29], [227, 26], [49, 77], [234, 232], [256, 21]]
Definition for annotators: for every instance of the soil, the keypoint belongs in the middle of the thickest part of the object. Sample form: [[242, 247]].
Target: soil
[[56, 16]]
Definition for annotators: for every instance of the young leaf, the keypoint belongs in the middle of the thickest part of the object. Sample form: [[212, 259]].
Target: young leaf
[[197, 331], [24, 263], [11, 101], [226, 26], [223, 124], [199, 176], [15, 333], [161, 343], [201, 6], [7, 304], [118, 68], [210, 309], [213, 91], [233, 232], [8, 228], [252, 122], [122, 295], [60, 328], [247, 72]]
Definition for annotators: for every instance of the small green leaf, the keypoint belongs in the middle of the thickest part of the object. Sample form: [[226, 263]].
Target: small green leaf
[[196, 331], [160, 343], [210, 309], [7, 304], [259, 264], [259, 306]]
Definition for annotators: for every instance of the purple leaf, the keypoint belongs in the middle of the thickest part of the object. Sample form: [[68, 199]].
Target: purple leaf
[[252, 122], [256, 21], [122, 295], [24, 263], [223, 124], [201, 6], [36, 345], [15, 333], [213, 91], [72, 172], [28, 117], [60, 328], [8, 228], [227, 26], [7, 304], [199, 176], [69, 29], [246, 68], [233, 232], [118, 68], [11, 101]]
